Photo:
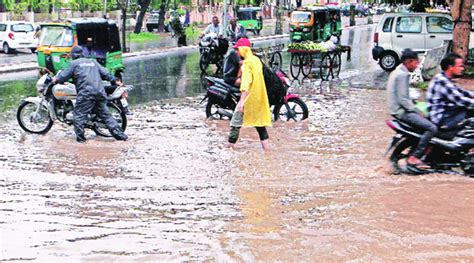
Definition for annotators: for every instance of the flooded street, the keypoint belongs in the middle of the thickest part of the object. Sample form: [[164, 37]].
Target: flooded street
[[172, 192]]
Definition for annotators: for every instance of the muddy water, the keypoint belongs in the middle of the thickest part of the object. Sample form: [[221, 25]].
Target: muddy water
[[173, 193]]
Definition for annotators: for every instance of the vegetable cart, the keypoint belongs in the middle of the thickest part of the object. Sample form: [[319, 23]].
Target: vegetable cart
[[305, 60]]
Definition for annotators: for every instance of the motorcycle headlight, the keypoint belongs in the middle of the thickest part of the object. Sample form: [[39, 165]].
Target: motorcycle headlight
[[41, 84], [306, 30]]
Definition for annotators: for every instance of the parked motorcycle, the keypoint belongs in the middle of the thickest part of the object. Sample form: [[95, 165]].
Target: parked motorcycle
[[222, 100], [56, 102], [212, 50], [443, 154]]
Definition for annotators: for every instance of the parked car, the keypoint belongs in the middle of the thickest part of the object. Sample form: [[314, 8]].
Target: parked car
[[152, 21], [17, 34], [417, 31]]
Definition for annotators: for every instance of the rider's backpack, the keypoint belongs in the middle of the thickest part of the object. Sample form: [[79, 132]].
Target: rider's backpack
[[276, 89]]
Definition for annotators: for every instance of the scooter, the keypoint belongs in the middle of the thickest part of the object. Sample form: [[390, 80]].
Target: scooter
[[222, 100]]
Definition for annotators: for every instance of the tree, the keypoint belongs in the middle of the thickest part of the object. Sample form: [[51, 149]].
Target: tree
[[6, 5], [143, 4], [461, 14], [123, 7]]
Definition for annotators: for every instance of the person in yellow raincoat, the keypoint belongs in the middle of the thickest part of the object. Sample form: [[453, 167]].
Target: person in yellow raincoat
[[253, 109]]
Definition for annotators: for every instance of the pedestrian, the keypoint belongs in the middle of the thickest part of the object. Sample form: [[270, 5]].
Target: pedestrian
[[87, 75], [253, 108], [402, 107]]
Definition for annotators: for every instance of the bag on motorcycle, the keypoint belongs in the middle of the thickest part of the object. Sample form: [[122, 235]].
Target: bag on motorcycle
[[218, 93], [276, 89]]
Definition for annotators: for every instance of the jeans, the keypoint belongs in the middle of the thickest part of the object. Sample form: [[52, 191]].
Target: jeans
[[84, 106], [419, 122], [236, 124]]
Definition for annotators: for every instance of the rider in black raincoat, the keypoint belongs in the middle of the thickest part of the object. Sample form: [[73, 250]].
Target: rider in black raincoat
[[88, 75]]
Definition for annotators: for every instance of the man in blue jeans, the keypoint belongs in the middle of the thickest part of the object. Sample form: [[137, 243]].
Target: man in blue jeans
[[402, 107]]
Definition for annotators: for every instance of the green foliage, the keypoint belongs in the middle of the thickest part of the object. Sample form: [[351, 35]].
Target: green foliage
[[143, 37], [86, 5], [192, 32], [7, 5]]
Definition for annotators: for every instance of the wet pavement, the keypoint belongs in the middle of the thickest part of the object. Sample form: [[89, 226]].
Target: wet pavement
[[173, 192]]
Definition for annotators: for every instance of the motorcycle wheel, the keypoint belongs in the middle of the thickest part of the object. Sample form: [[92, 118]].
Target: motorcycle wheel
[[213, 113], [297, 105], [203, 63], [400, 155], [119, 115], [25, 116]]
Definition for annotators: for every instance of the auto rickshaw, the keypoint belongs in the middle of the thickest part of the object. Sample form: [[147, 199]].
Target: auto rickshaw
[[99, 39], [313, 23], [250, 19], [335, 20]]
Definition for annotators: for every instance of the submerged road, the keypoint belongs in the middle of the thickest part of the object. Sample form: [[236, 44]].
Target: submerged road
[[174, 193]]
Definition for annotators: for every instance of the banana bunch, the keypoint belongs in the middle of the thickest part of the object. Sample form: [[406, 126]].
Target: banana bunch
[[308, 46]]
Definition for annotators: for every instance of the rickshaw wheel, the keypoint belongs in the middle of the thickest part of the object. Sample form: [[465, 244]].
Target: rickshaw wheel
[[336, 65], [325, 68], [295, 65], [276, 60], [306, 65]]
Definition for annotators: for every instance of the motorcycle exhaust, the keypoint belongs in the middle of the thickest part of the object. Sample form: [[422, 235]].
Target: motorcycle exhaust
[[224, 113]]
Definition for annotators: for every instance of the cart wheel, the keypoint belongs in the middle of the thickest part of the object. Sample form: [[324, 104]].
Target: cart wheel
[[336, 65], [325, 67], [306, 65], [276, 60], [295, 65]]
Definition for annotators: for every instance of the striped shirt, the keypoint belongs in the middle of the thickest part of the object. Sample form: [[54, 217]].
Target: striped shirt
[[443, 95]]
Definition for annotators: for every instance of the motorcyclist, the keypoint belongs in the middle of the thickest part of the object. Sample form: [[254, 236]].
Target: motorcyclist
[[447, 102], [402, 107], [235, 30], [87, 75], [232, 68], [214, 27]]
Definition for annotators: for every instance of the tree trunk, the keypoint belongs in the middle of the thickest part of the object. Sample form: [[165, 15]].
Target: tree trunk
[[161, 19], [144, 4], [461, 13], [124, 30]]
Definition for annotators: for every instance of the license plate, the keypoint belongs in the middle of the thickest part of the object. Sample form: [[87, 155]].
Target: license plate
[[124, 102]]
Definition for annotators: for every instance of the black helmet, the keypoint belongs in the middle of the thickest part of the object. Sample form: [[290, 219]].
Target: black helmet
[[76, 52]]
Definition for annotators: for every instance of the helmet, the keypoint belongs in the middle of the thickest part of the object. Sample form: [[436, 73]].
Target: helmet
[[76, 52]]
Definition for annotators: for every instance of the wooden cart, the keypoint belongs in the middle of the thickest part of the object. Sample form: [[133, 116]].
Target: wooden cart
[[304, 62]]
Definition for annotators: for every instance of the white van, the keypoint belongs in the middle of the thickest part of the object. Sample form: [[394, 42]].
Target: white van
[[417, 31], [17, 34]]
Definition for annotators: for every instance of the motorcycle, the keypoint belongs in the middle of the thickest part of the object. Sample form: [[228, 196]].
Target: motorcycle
[[222, 100], [212, 50], [56, 102], [443, 154]]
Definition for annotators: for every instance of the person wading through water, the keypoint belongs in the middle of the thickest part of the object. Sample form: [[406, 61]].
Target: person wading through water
[[253, 109]]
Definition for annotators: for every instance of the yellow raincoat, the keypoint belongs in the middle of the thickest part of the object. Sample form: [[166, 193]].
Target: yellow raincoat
[[256, 105]]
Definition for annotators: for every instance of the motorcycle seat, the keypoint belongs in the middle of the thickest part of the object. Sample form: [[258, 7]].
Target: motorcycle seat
[[232, 88]]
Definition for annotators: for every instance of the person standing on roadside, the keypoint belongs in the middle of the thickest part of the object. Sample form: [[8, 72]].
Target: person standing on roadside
[[253, 108], [402, 107]]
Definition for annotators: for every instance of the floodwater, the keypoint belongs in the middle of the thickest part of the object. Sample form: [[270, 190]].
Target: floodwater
[[173, 192]]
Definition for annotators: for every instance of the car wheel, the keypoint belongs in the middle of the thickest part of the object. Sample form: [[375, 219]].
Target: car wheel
[[7, 49], [389, 61]]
